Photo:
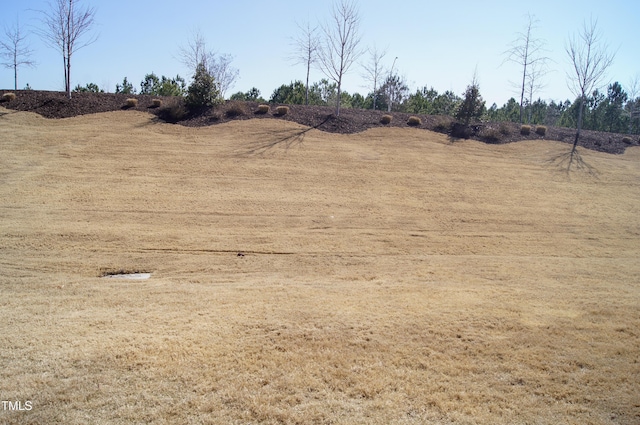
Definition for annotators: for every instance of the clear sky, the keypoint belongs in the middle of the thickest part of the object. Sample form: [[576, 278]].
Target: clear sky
[[437, 43]]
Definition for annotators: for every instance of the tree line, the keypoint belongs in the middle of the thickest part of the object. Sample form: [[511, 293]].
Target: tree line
[[334, 47]]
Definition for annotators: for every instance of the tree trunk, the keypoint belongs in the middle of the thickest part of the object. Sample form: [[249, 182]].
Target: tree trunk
[[69, 48], [338, 99], [375, 95], [575, 142], [306, 92], [524, 76], [64, 64]]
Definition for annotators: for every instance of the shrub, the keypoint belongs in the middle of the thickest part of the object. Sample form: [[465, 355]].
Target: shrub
[[131, 103], [156, 103], [504, 129], [541, 130], [162, 87], [125, 88], [282, 110], [460, 130], [442, 125], [173, 113], [472, 105], [626, 140], [490, 135], [525, 130], [8, 97], [235, 109], [414, 121], [262, 109], [386, 119], [203, 91], [89, 88]]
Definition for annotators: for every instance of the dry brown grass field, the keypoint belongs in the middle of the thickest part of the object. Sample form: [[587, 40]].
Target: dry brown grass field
[[388, 277]]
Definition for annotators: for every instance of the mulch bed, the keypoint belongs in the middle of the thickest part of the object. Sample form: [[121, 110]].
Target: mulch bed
[[57, 105]]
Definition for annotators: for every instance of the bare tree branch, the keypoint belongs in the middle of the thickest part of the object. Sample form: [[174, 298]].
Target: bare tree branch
[[305, 51], [374, 70], [195, 53], [218, 66], [225, 74], [340, 47], [537, 70], [590, 60], [526, 51], [633, 90], [15, 51], [64, 25]]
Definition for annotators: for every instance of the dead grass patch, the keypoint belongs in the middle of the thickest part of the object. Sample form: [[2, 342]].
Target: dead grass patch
[[414, 121], [282, 110], [234, 109], [388, 276]]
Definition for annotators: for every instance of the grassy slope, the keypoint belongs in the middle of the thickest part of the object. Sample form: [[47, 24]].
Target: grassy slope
[[389, 276]]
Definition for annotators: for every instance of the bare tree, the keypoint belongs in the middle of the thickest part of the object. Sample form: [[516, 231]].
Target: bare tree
[[15, 51], [340, 47], [196, 53], [64, 26], [218, 66], [306, 45], [633, 90], [396, 90], [589, 60], [526, 51], [225, 74], [374, 70], [534, 84]]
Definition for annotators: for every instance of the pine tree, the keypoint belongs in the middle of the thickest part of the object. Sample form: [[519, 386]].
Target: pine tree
[[203, 91]]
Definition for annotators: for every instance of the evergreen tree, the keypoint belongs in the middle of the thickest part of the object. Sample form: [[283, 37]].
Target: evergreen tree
[[125, 88], [203, 91], [472, 106]]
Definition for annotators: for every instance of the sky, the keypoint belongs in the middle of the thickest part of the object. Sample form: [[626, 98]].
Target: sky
[[438, 44]]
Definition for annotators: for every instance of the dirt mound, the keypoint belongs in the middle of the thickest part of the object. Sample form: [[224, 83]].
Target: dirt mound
[[57, 105]]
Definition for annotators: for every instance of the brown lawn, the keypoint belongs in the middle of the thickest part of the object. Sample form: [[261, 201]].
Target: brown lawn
[[390, 276]]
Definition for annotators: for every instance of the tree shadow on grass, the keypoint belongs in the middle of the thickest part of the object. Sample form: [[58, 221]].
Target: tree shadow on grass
[[566, 160], [284, 138]]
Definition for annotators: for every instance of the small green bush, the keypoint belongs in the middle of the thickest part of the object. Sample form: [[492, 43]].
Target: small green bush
[[131, 103], [262, 109], [414, 121], [8, 97], [525, 130], [89, 88], [282, 110], [626, 140], [541, 130], [386, 119], [156, 103]]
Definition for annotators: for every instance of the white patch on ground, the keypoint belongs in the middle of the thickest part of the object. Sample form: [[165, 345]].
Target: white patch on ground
[[133, 276]]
